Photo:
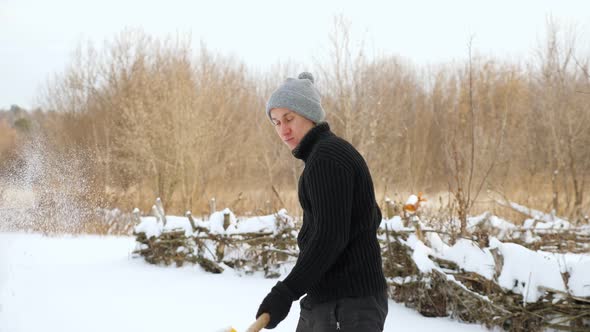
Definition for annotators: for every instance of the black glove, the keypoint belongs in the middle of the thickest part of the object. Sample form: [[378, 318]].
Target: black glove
[[277, 304]]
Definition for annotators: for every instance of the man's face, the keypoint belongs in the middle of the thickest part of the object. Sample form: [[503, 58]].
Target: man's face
[[290, 126]]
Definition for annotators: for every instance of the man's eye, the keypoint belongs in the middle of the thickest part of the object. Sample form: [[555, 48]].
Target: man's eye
[[288, 119]]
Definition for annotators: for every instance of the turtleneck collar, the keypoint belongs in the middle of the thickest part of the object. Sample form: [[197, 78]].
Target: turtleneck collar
[[302, 150]]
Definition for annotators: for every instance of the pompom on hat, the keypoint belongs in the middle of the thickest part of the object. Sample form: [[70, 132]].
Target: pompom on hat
[[298, 95]]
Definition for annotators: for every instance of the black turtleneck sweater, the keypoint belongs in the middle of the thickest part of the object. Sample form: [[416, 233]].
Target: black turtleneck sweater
[[339, 255]]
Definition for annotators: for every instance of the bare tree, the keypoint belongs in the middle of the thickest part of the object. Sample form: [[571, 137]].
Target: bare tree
[[155, 119], [564, 113]]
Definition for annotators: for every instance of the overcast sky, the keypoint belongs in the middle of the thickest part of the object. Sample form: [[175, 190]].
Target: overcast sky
[[37, 37]]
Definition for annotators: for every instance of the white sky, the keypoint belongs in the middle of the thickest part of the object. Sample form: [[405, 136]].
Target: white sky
[[37, 37]]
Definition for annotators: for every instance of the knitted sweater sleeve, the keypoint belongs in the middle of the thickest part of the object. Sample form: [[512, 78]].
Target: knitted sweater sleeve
[[329, 187]]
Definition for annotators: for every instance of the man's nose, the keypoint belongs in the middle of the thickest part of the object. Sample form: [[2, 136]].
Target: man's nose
[[285, 129]]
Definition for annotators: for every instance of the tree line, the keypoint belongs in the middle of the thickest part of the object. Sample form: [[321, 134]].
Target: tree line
[[146, 117]]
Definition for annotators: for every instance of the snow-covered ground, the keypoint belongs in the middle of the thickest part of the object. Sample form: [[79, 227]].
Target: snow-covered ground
[[91, 283]]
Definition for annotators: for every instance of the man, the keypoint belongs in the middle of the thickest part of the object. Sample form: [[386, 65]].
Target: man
[[339, 264]]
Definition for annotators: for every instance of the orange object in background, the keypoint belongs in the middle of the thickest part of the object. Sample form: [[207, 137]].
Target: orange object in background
[[413, 203]]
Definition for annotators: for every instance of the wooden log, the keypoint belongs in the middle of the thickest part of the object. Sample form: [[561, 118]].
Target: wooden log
[[160, 209], [209, 265], [498, 263], [577, 298], [443, 263], [212, 206], [226, 221], [189, 215]]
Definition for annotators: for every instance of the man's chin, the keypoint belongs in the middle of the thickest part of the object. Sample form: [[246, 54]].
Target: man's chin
[[291, 145]]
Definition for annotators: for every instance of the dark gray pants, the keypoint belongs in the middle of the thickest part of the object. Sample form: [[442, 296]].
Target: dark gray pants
[[351, 314]]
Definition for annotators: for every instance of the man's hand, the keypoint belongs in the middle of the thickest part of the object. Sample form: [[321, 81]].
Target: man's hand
[[277, 304]]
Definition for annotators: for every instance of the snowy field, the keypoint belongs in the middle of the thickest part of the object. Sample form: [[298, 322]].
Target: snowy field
[[91, 283]]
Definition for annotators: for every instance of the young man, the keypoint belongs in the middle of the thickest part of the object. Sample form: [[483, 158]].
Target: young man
[[339, 264]]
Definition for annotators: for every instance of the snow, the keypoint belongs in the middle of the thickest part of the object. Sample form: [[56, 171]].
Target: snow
[[490, 221], [254, 225], [91, 283], [150, 226], [412, 200], [471, 258], [215, 223], [179, 223], [524, 271], [269, 223], [578, 268], [396, 224], [420, 254], [420, 257], [540, 219], [557, 224], [436, 243]]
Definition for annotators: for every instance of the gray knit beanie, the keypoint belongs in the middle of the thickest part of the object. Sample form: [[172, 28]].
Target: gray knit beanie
[[300, 96]]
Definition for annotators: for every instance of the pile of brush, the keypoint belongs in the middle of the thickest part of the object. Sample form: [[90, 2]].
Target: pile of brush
[[492, 275], [257, 244], [446, 289]]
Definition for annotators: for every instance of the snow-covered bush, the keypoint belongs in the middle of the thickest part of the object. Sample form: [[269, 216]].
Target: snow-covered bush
[[496, 276]]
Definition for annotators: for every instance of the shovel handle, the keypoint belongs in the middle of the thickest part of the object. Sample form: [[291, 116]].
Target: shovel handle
[[260, 323]]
